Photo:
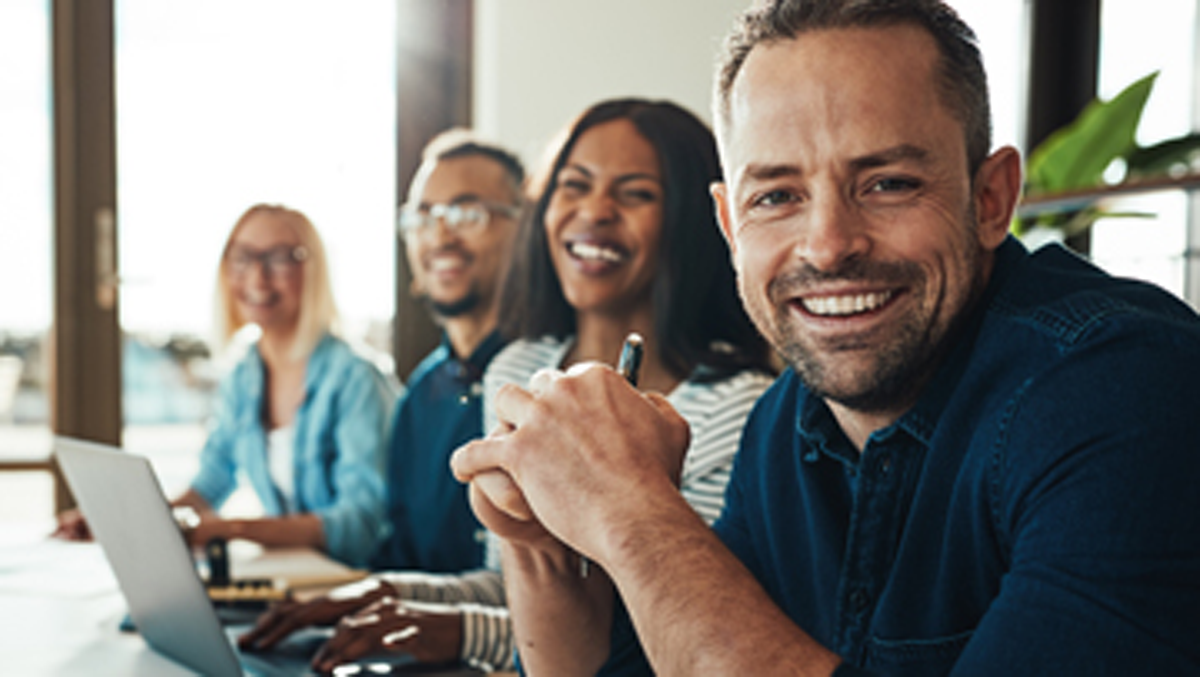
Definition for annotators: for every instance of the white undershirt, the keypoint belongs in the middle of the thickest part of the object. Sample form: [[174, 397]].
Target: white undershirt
[[281, 451]]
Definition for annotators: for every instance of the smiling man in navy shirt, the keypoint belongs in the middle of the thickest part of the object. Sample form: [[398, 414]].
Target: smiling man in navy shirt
[[458, 227], [982, 462]]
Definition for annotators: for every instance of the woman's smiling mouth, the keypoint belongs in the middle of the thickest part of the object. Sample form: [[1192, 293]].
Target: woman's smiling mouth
[[589, 251]]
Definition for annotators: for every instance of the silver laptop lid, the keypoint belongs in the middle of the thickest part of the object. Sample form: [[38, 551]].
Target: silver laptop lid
[[128, 514]]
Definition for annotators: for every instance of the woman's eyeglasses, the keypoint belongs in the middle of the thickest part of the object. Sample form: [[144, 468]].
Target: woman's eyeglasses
[[462, 218], [275, 261]]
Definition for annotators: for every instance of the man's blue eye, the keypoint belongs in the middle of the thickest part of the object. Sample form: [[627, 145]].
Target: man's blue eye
[[773, 198], [894, 184]]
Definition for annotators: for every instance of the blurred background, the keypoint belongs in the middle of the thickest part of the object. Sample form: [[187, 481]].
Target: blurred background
[[134, 132]]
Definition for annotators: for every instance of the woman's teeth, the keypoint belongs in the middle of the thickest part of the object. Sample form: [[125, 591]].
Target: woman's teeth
[[258, 299], [592, 252], [845, 305]]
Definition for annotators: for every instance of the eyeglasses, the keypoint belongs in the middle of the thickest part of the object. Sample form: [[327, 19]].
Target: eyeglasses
[[462, 218], [275, 261]]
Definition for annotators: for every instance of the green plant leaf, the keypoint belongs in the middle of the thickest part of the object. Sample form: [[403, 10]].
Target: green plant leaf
[[1077, 155], [1162, 157]]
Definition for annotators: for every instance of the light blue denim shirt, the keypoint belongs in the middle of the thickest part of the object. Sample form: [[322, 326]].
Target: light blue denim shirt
[[341, 437]]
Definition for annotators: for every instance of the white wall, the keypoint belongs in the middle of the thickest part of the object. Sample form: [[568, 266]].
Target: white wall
[[538, 63]]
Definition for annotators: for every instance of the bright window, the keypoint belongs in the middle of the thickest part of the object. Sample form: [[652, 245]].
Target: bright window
[[1133, 43], [1000, 27], [26, 252], [223, 104]]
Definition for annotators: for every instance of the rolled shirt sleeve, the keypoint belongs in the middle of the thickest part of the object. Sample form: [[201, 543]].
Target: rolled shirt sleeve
[[217, 476], [353, 513]]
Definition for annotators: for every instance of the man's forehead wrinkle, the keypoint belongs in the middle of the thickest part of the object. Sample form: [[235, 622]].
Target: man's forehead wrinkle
[[764, 97]]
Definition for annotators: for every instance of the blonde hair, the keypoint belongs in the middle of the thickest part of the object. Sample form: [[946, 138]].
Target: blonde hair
[[318, 312]]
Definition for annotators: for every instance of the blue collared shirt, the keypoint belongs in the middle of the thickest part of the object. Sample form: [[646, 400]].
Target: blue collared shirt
[[433, 528], [1035, 513], [341, 429]]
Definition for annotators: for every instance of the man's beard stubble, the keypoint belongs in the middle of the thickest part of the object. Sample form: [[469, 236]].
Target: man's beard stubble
[[469, 302], [906, 360]]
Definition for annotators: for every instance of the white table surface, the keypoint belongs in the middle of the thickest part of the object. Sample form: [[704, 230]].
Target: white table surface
[[60, 605], [59, 610]]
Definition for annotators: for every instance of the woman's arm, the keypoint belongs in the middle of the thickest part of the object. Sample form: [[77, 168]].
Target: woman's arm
[[217, 476], [291, 531], [353, 522]]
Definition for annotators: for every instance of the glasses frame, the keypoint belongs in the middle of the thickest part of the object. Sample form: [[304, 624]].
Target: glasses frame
[[273, 261], [417, 221]]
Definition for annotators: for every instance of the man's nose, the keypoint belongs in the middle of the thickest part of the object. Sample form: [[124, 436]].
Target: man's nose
[[440, 232], [834, 232]]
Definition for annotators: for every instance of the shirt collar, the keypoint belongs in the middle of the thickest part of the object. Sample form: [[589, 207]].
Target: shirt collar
[[922, 419], [473, 367], [253, 382], [318, 363], [816, 425]]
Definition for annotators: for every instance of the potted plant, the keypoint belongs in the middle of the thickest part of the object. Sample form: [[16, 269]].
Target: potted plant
[[1065, 174]]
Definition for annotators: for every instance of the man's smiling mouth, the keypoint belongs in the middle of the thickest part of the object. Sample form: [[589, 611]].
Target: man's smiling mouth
[[845, 305]]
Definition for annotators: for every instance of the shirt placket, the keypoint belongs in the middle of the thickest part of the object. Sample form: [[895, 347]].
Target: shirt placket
[[870, 545]]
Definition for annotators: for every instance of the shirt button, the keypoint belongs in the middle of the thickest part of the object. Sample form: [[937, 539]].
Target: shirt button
[[859, 599], [464, 399], [885, 465]]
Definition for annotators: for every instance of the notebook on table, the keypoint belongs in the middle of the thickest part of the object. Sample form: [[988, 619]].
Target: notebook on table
[[128, 514]]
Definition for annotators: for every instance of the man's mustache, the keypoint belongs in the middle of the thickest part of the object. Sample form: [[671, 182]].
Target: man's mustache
[[804, 277]]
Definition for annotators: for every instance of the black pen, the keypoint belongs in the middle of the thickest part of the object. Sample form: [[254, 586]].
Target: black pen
[[631, 358], [628, 365]]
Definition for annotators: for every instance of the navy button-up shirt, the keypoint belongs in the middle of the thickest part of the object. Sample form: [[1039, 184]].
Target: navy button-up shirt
[[433, 528], [1035, 513]]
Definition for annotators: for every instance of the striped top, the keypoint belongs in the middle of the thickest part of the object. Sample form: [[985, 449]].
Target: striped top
[[715, 412]]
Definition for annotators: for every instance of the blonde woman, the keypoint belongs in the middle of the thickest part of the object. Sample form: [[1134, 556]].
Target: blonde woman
[[301, 415]]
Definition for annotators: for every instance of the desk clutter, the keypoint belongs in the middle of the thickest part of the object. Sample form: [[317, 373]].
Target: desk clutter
[[244, 575], [248, 594]]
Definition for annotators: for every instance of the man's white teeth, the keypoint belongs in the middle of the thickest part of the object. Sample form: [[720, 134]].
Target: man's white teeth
[[845, 305], [591, 252], [438, 265]]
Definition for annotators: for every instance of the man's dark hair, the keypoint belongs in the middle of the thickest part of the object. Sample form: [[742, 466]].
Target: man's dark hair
[[699, 319], [962, 82], [460, 142]]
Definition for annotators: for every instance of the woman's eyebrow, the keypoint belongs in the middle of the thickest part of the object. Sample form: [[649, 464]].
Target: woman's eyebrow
[[639, 176]]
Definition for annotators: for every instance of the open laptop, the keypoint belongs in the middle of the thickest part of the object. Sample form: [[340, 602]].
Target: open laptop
[[128, 514]]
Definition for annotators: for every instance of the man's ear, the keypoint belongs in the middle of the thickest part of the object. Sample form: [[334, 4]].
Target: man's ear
[[997, 188], [720, 197]]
